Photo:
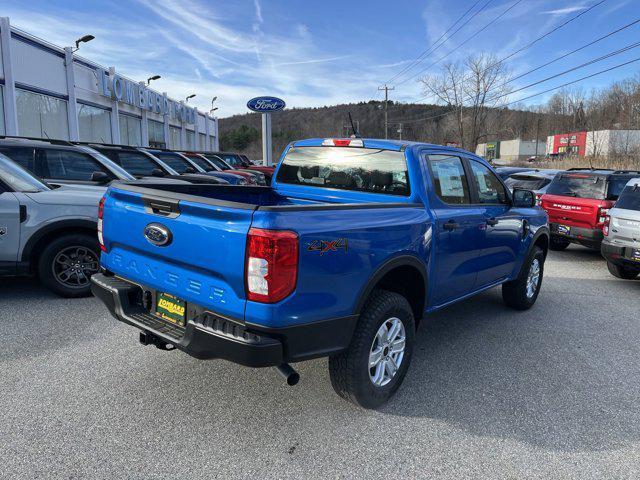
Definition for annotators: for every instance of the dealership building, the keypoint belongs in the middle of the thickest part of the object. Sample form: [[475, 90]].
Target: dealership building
[[47, 91], [595, 143], [510, 150]]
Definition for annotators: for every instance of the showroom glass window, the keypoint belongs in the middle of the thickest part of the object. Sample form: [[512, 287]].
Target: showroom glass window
[[202, 140], [94, 124], [130, 130], [174, 137], [2, 130], [190, 139], [156, 134], [41, 115]]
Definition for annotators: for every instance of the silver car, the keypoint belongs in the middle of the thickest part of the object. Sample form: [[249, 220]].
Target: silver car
[[621, 244], [48, 230]]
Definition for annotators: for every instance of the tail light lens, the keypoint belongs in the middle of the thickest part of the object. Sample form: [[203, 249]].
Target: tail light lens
[[539, 199], [271, 267], [605, 227], [101, 223], [603, 215]]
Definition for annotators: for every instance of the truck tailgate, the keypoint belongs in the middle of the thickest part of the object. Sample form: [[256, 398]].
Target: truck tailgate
[[576, 212], [203, 262]]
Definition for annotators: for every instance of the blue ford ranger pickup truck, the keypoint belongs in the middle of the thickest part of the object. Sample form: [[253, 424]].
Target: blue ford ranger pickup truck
[[342, 256]]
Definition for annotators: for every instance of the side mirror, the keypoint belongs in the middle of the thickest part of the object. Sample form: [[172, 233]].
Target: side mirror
[[100, 177], [156, 172], [523, 198]]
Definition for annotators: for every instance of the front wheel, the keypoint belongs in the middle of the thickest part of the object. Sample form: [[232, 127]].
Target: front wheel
[[372, 369], [67, 263], [522, 292], [622, 272]]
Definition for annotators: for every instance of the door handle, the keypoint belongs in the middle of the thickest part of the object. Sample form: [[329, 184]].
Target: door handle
[[450, 225], [492, 222]]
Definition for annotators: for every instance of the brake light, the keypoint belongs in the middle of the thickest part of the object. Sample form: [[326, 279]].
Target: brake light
[[100, 223], [605, 227], [603, 215], [538, 199], [343, 142], [271, 267]]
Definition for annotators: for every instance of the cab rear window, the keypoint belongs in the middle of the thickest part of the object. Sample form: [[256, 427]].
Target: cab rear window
[[629, 198], [578, 185], [346, 168]]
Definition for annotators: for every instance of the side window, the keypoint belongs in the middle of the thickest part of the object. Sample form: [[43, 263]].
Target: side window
[[136, 163], [23, 156], [449, 179], [490, 189], [62, 164]]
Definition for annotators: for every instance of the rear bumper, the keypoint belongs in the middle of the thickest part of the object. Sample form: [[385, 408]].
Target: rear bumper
[[208, 335], [619, 255], [589, 237]]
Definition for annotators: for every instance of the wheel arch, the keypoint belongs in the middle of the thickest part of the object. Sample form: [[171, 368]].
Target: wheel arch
[[541, 239], [405, 275], [35, 244]]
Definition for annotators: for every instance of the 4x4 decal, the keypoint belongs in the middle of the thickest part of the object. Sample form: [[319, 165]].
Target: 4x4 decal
[[324, 246]]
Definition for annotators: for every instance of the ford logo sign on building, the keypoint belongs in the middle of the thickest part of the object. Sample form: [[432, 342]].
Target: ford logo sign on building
[[266, 104], [157, 234]]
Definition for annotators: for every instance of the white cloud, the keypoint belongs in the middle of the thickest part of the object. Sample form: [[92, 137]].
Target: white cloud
[[563, 11]]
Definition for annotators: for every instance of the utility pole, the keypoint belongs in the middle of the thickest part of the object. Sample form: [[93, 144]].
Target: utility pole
[[400, 131], [537, 133], [386, 89]]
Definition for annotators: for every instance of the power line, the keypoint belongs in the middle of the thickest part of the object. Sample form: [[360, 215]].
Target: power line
[[478, 32], [434, 46], [615, 67]]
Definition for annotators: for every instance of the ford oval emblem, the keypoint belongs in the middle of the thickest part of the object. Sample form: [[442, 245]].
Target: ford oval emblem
[[158, 234], [265, 104]]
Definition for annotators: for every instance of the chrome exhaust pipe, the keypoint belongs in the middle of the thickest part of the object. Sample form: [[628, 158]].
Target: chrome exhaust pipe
[[291, 376]]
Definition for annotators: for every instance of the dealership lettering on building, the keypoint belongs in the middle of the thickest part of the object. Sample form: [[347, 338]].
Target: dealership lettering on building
[[137, 94]]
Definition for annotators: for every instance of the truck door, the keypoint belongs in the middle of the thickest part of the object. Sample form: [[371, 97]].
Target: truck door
[[501, 228], [9, 230], [457, 235]]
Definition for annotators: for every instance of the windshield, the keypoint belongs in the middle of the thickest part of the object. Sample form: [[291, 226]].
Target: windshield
[[19, 179], [346, 168], [221, 164], [121, 172], [525, 182], [578, 185], [202, 163], [175, 161], [233, 160], [630, 198]]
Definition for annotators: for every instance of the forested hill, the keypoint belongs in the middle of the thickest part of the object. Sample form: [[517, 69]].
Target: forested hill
[[243, 132]]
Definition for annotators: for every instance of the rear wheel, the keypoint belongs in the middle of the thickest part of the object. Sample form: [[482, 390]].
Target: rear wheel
[[558, 243], [625, 273], [370, 371], [522, 292], [67, 263]]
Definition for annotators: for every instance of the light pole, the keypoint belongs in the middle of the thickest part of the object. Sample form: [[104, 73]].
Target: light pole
[[151, 79], [213, 109], [190, 97]]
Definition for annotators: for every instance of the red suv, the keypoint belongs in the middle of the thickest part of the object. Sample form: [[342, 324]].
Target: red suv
[[578, 202]]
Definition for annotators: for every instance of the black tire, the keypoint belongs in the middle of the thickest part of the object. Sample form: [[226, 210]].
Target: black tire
[[350, 372], [619, 271], [515, 293], [558, 244], [52, 266]]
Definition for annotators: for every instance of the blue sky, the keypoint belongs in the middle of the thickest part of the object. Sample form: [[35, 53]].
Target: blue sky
[[320, 53]]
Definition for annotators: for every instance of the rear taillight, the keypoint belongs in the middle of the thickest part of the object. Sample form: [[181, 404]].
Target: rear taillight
[[605, 227], [539, 199], [271, 267], [101, 223], [603, 215]]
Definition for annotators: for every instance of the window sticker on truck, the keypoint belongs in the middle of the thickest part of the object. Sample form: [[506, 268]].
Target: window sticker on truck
[[324, 246]]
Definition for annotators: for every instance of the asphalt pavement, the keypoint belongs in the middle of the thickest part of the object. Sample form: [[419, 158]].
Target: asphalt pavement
[[553, 392]]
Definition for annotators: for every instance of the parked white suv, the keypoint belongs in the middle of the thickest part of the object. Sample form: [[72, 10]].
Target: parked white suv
[[621, 244]]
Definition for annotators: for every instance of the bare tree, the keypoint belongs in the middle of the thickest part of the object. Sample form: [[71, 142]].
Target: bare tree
[[471, 89]]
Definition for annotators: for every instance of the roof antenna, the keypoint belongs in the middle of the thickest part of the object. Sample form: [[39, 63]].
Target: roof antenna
[[355, 133]]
